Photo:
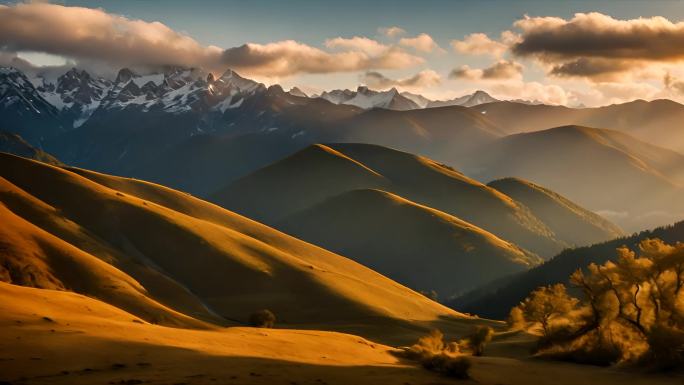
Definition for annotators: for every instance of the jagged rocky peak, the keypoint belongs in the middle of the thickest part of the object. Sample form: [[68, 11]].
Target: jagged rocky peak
[[12, 74], [124, 76], [295, 91], [275, 89], [232, 81]]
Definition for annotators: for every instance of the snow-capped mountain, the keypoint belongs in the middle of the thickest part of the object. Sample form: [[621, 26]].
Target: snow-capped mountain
[[420, 100], [471, 100], [190, 101], [23, 109], [17, 92], [366, 98], [76, 94], [392, 99]]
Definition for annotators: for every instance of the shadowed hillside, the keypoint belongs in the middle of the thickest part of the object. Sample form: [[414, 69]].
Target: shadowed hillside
[[420, 247]]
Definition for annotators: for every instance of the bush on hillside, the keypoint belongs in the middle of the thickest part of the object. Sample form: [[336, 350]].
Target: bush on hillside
[[262, 319], [439, 356], [448, 365], [479, 339]]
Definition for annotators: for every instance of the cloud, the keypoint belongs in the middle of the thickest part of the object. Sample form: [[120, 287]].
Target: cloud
[[393, 31], [360, 43], [286, 58], [599, 69], [11, 59], [426, 78], [422, 43], [534, 91], [94, 36], [85, 33], [502, 69], [481, 44], [593, 45]]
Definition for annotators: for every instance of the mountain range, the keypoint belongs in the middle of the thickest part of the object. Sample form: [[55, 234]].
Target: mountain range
[[198, 133]]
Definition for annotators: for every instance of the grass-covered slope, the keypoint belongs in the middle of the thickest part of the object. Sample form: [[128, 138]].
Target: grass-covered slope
[[420, 247]]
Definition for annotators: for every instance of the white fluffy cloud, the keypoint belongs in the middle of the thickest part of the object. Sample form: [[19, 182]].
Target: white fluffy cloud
[[481, 44], [422, 43], [360, 43], [393, 31]]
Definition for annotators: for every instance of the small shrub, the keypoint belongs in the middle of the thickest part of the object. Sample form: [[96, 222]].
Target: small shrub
[[428, 345], [262, 319], [448, 365], [516, 319], [436, 355], [479, 339]]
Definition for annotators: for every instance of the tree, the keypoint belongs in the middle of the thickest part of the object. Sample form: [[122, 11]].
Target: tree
[[633, 308], [545, 303]]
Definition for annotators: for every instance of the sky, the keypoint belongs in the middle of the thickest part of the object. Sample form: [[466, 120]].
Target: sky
[[559, 52]]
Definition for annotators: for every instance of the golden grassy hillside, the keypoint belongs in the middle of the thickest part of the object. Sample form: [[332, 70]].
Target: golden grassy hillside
[[420, 247], [54, 337], [307, 177], [166, 256]]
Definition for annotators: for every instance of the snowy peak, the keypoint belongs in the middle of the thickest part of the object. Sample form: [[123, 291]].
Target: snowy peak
[[124, 76], [479, 97], [366, 98], [471, 100], [337, 96], [420, 100], [232, 81], [394, 100], [18, 92], [78, 87]]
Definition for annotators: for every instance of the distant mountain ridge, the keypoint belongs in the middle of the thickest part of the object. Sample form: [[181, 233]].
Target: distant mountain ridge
[[640, 184]]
